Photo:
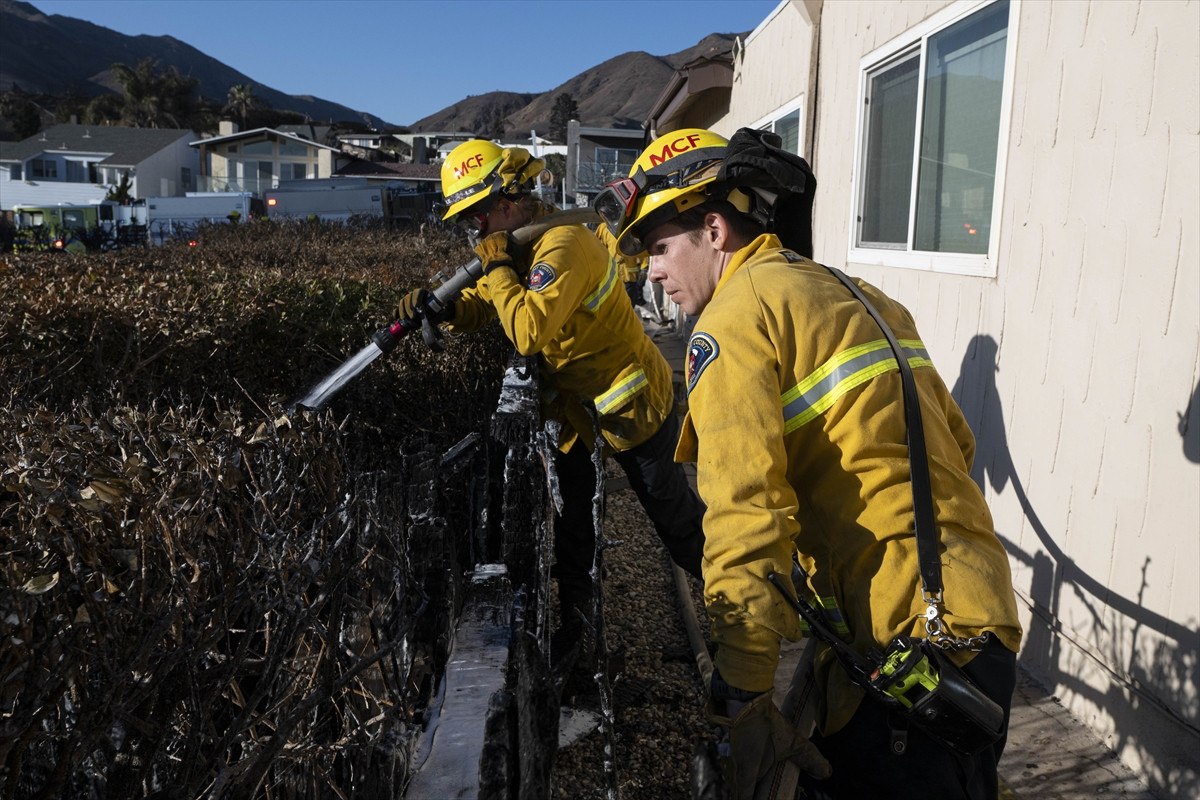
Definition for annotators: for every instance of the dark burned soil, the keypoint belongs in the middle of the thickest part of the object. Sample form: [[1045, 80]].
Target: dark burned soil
[[658, 693]]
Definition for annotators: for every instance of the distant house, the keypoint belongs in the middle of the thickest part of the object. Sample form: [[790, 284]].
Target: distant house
[[596, 156], [69, 163], [440, 142], [540, 146], [418, 177], [258, 159], [364, 141], [697, 95]]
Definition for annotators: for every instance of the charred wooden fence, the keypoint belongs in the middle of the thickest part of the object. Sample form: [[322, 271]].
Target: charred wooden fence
[[493, 725]]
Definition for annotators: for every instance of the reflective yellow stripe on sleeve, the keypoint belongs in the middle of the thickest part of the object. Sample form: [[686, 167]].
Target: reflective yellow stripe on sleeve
[[629, 385], [811, 397], [834, 616], [593, 300]]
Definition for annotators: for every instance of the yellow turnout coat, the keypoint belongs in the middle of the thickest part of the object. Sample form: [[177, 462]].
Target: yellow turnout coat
[[570, 308], [796, 424]]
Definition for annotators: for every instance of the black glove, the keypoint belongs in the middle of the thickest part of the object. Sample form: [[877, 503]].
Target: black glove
[[500, 249], [415, 305]]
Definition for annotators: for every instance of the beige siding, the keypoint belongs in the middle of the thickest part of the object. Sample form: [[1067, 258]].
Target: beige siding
[[1077, 361], [774, 69]]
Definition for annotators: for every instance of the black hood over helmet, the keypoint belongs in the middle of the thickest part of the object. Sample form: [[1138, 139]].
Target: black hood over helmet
[[781, 184]]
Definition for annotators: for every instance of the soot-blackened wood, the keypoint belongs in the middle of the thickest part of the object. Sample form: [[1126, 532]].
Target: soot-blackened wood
[[465, 752], [526, 533], [493, 727]]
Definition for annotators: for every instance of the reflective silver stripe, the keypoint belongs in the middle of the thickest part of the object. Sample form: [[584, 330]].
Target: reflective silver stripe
[[630, 385], [593, 300], [853, 367]]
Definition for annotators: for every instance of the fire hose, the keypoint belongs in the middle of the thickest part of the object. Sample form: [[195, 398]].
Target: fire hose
[[438, 299]]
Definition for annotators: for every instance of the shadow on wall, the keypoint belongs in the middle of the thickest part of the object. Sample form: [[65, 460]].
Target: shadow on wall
[[1169, 680], [1189, 427]]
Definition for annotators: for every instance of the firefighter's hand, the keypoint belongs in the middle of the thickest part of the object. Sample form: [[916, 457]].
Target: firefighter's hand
[[757, 739], [411, 307], [414, 306], [500, 249]]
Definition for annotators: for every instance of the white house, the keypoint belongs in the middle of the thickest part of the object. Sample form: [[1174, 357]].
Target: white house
[[259, 159], [69, 163], [1022, 175]]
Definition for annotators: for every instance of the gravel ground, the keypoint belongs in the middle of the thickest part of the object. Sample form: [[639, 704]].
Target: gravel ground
[[659, 697]]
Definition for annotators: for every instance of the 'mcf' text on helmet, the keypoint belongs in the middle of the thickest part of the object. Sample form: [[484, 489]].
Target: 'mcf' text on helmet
[[473, 162], [674, 148]]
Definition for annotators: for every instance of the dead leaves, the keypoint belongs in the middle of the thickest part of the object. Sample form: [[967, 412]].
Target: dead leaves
[[168, 535]]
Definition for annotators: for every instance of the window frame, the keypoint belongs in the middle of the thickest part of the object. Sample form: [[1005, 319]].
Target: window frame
[[893, 52], [288, 169], [45, 169], [796, 104]]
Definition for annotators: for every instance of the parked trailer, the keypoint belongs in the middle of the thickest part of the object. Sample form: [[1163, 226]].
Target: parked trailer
[[336, 200], [78, 227], [170, 217]]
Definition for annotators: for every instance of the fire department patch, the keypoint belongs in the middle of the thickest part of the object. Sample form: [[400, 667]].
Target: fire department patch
[[702, 351], [541, 276]]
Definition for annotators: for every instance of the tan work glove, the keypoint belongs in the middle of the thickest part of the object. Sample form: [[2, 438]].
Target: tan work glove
[[415, 305], [411, 306], [500, 249], [759, 739]]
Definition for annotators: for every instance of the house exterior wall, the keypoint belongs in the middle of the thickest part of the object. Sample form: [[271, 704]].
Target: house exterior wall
[[160, 174], [325, 166], [585, 174], [46, 192], [317, 162], [1077, 364], [774, 69]]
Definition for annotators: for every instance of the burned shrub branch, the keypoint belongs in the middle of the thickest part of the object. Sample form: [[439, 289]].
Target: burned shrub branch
[[201, 597]]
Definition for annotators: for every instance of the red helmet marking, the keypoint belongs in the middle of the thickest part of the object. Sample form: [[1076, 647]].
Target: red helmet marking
[[674, 148], [471, 163]]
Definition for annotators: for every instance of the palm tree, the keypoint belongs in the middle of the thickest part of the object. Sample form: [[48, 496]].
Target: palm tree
[[140, 87], [153, 98], [241, 100]]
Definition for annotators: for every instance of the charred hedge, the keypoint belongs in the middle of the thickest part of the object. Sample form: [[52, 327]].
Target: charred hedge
[[199, 596]]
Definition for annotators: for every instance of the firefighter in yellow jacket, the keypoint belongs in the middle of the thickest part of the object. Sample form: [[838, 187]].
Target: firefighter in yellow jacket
[[797, 428], [560, 299], [633, 269]]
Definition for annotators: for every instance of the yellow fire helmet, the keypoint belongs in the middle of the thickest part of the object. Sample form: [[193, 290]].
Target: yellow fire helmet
[[479, 169], [669, 177]]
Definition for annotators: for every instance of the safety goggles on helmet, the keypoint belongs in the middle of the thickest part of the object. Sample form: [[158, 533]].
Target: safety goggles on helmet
[[614, 204], [475, 222], [617, 202]]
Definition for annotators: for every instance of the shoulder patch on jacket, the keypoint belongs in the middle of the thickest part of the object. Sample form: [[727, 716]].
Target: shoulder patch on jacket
[[541, 276], [791, 257], [702, 351]]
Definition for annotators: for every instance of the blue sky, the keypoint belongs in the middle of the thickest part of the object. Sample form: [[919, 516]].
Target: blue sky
[[405, 59]]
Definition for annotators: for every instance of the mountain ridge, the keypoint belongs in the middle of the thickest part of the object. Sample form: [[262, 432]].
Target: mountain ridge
[[54, 53]]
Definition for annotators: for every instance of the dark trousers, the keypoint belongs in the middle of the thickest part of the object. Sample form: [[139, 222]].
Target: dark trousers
[[864, 766], [660, 485]]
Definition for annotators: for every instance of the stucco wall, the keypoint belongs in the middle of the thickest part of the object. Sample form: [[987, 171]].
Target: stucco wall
[[159, 175], [1078, 363]]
